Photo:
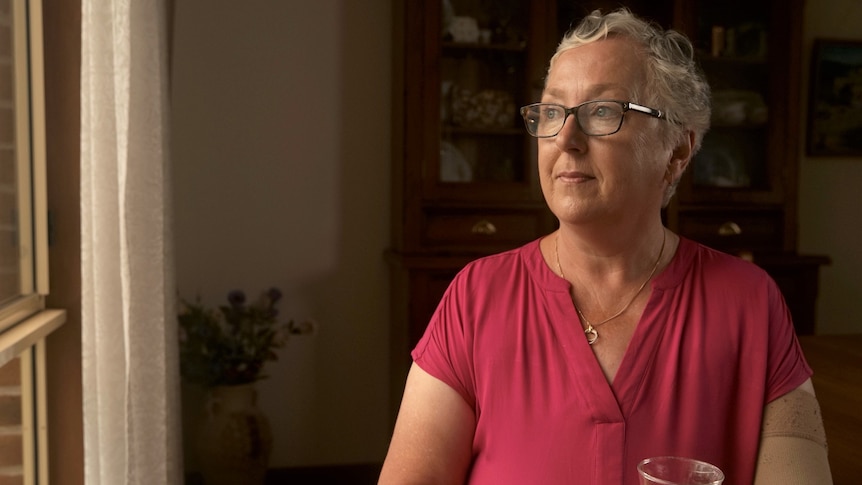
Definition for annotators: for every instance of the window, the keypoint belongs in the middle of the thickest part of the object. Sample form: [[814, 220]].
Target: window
[[24, 321], [23, 248]]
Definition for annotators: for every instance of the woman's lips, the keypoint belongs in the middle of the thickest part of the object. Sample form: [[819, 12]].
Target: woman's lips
[[574, 176]]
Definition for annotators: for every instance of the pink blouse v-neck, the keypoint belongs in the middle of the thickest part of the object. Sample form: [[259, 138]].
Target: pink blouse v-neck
[[715, 343]]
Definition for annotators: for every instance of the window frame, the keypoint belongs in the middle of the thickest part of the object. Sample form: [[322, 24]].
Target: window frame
[[24, 320], [30, 163]]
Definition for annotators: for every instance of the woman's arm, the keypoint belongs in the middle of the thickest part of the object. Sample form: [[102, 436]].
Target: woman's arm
[[793, 441], [433, 438]]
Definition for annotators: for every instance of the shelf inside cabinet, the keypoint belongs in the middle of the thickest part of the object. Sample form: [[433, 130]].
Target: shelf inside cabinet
[[451, 48], [481, 136], [481, 130], [466, 68], [728, 61], [733, 157], [487, 157]]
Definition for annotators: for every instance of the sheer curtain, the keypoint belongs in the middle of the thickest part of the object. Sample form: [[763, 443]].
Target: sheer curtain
[[131, 382]]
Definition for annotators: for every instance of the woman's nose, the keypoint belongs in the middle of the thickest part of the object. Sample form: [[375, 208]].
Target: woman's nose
[[570, 136]]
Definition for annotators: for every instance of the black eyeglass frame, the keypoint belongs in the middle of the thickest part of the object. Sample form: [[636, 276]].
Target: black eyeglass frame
[[626, 106]]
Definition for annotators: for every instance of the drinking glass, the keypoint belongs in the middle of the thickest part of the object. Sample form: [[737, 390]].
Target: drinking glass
[[675, 470]]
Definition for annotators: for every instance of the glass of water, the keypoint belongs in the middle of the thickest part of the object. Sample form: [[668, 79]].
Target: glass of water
[[675, 470]]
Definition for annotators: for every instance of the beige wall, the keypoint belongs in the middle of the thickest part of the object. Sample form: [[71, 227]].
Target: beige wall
[[281, 155], [830, 192]]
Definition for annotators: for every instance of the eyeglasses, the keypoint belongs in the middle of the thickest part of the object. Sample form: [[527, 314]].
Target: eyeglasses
[[594, 118]]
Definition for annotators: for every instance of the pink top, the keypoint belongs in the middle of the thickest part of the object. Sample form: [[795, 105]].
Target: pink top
[[715, 344]]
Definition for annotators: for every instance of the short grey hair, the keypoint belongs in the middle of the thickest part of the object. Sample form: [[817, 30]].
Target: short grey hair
[[675, 84]]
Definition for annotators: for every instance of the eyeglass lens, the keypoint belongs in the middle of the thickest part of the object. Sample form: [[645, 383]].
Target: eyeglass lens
[[594, 118]]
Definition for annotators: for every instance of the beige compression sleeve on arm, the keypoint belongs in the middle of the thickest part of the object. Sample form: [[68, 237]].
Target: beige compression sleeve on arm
[[793, 447]]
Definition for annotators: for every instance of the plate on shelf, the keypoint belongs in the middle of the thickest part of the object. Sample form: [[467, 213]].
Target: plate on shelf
[[453, 166], [720, 165]]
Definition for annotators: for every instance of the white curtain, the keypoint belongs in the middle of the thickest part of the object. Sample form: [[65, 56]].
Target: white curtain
[[131, 383]]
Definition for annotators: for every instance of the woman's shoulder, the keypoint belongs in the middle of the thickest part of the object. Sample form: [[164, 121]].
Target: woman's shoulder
[[527, 257], [504, 260], [716, 265], [510, 266]]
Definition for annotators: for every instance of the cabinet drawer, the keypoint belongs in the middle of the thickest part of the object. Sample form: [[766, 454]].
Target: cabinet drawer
[[734, 231], [470, 227]]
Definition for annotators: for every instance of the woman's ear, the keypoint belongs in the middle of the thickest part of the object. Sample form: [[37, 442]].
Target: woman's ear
[[680, 158]]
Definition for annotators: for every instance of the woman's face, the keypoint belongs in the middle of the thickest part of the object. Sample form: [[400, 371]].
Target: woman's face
[[613, 178]]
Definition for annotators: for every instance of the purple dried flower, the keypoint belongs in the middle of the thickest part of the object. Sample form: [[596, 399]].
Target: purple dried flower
[[236, 298], [274, 295], [231, 343]]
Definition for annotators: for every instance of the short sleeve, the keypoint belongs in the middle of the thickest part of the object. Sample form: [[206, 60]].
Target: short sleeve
[[443, 350]]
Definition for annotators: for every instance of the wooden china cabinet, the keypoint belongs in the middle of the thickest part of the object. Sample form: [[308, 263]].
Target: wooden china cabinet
[[464, 170], [740, 192]]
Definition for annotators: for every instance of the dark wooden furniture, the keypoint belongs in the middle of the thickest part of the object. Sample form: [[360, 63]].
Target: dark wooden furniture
[[837, 364], [464, 175], [740, 192], [798, 277], [353, 474]]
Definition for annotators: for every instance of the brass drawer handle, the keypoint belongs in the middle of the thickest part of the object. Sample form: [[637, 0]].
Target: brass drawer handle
[[729, 229], [484, 228]]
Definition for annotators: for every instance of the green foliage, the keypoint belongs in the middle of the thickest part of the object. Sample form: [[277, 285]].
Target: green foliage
[[229, 345]]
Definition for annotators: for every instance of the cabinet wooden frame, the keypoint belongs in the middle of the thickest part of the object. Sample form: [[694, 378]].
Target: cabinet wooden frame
[[418, 193], [432, 222], [775, 191], [439, 226]]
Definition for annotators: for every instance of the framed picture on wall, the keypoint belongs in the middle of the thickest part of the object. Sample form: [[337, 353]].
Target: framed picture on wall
[[835, 102]]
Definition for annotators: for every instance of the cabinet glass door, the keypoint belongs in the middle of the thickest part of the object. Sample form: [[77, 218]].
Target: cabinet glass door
[[485, 74], [738, 162]]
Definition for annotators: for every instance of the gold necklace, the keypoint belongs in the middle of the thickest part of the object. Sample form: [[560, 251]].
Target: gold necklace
[[590, 331]]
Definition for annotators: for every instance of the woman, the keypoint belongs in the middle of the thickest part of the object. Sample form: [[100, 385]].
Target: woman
[[611, 340]]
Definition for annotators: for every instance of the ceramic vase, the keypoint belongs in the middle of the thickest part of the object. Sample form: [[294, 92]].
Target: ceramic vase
[[235, 439]]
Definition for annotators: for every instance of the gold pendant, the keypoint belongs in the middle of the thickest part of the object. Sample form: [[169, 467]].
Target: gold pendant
[[591, 334]]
